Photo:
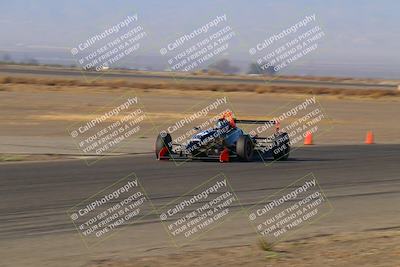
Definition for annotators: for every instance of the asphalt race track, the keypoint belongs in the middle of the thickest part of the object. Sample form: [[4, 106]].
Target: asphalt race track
[[35, 196]]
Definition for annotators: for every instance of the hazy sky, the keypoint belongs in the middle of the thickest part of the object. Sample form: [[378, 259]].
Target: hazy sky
[[364, 33]]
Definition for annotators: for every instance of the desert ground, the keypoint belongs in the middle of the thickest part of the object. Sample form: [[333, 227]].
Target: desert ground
[[35, 117], [35, 146]]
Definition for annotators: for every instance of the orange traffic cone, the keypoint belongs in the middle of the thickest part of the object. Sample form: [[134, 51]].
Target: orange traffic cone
[[369, 138], [308, 139]]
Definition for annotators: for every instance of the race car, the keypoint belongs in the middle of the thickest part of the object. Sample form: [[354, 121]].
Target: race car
[[225, 142]]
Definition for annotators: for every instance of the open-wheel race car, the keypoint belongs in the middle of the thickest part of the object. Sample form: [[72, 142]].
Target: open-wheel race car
[[225, 142]]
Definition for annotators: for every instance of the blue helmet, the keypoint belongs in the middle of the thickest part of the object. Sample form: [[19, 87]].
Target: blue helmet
[[222, 123]]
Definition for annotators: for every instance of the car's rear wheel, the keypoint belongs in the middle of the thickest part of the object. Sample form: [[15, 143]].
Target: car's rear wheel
[[163, 142], [281, 148], [245, 148]]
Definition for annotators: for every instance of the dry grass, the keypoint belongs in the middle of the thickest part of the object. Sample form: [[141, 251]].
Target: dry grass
[[114, 84], [328, 79]]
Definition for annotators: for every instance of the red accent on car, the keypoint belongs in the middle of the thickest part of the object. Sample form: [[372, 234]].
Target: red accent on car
[[162, 153], [224, 156]]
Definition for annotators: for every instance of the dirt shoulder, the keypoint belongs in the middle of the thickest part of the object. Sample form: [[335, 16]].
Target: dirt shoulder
[[372, 248]]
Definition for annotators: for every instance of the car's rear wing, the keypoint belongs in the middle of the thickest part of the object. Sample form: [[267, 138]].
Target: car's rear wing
[[256, 122], [232, 121], [264, 122]]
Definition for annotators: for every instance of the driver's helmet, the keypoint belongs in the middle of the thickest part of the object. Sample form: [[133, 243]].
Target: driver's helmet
[[222, 123]]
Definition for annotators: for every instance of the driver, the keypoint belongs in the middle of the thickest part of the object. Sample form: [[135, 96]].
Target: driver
[[223, 123]]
